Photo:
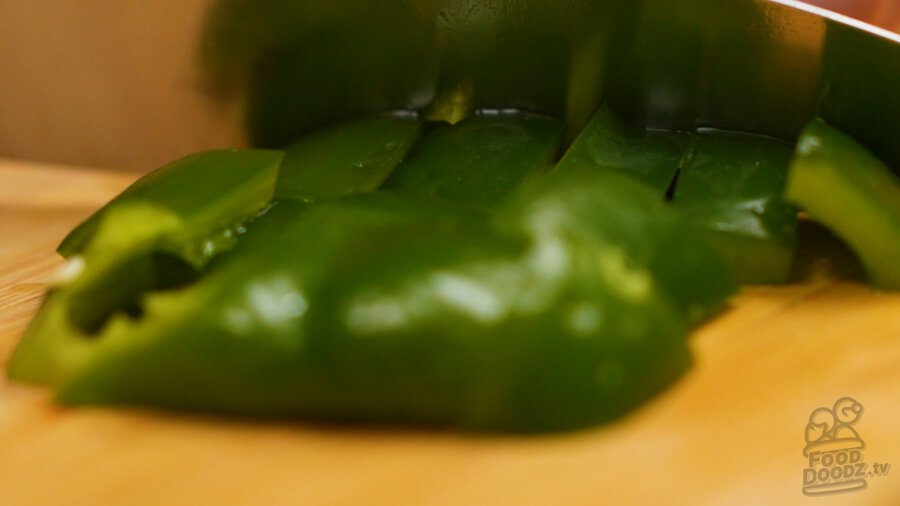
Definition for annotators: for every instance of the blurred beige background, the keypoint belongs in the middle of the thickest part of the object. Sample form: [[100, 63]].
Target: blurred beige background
[[104, 83], [112, 83]]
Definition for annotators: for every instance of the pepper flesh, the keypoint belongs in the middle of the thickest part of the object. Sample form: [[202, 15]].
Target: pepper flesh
[[352, 157], [651, 157], [153, 235], [845, 187], [730, 186], [203, 192], [480, 160], [390, 309], [548, 312]]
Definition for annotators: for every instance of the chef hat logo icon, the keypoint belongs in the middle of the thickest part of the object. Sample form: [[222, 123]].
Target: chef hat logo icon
[[831, 429]]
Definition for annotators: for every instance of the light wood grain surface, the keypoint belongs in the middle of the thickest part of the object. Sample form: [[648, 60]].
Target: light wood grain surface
[[730, 432]]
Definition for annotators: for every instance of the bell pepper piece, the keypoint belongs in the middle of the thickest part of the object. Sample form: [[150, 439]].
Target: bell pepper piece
[[730, 186], [235, 339], [478, 161], [155, 235], [381, 308], [203, 192], [534, 339], [614, 207], [651, 157], [353, 157], [849, 190]]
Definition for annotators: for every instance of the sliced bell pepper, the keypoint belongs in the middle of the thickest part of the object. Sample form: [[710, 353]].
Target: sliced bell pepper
[[728, 185], [155, 235], [731, 186], [651, 157], [479, 161], [389, 309], [563, 307], [352, 157], [197, 194], [849, 190]]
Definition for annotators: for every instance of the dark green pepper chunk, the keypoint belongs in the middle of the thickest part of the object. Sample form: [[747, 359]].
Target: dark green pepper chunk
[[845, 187], [730, 186], [614, 207], [651, 157], [238, 340], [352, 157], [557, 333], [385, 308], [478, 161]]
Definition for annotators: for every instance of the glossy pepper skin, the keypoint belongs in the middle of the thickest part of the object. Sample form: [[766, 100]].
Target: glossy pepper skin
[[152, 236], [605, 143], [386, 309], [541, 312], [729, 185], [845, 187], [352, 157], [479, 161], [197, 194]]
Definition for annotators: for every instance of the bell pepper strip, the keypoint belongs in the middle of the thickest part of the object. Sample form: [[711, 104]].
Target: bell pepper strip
[[842, 185], [352, 157], [202, 192], [479, 161], [730, 186], [651, 157], [155, 235]]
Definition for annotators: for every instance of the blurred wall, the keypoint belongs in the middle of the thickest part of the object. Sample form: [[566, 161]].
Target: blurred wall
[[112, 83], [105, 83], [883, 13]]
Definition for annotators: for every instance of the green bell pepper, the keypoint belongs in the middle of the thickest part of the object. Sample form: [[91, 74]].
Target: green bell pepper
[[844, 186], [155, 235], [479, 161], [352, 157], [390, 309], [730, 186], [393, 270], [558, 309], [197, 194], [651, 157]]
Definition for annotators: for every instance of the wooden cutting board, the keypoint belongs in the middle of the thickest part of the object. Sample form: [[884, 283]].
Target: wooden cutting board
[[730, 432]]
